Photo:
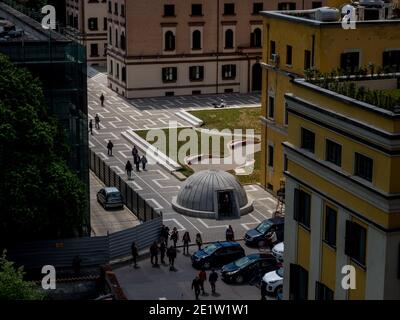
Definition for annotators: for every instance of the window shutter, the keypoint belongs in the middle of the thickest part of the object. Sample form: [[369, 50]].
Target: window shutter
[[296, 204]]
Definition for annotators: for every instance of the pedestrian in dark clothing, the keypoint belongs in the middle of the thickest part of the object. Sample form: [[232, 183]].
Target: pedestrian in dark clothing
[[263, 290], [196, 287], [162, 250], [213, 279], [174, 236], [202, 279], [110, 146], [199, 241], [137, 163], [91, 126], [186, 240], [128, 168], [154, 254], [97, 121], [143, 160], [171, 254], [135, 254], [229, 234], [165, 234], [102, 100], [135, 152]]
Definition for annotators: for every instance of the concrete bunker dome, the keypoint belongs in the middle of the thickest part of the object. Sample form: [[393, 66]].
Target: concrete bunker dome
[[212, 194]]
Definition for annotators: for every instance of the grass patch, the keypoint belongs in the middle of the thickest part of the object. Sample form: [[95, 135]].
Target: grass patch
[[395, 93]]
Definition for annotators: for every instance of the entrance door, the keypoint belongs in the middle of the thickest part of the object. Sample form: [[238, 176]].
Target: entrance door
[[225, 204], [256, 82]]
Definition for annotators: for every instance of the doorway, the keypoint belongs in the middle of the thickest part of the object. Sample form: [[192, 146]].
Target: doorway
[[256, 82]]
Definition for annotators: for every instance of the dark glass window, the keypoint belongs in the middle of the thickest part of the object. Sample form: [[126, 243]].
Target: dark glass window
[[316, 4], [272, 48], [196, 40], [330, 226], [109, 7], [307, 59], [123, 41], [196, 73], [123, 74], [92, 22], [333, 152], [169, 41], [169, 74], [105, 23], [229, 8], [229, 71], [228, 39], [255, 38], [363, 166], [298, 283], [391, 59], [197, 9], [287, 6], [350, 61], [356, 242], [122, 10], [94, 50], [271, 107], [270, 156], [322, 292], [302, 207], [289, 50], [169, 10], [307, 140], [257, 7]]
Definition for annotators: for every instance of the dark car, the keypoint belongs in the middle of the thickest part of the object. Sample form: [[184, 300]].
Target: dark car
[[248, 268], [254, 236], [217, 254], [110, 197]]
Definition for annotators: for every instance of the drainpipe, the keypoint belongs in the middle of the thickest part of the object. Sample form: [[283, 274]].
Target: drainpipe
[[217, 54]]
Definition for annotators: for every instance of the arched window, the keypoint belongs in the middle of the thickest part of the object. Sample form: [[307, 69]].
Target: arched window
[[110, 36], [256, 38], [169, 41], [196, 40], [116, 38], [123, 41], [228, 39]]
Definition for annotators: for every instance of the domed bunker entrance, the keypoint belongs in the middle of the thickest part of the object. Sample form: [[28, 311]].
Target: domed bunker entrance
[[212, 194]]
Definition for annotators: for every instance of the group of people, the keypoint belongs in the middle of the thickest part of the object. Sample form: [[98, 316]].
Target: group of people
[[137, 160], [96, 123], [198, 282]]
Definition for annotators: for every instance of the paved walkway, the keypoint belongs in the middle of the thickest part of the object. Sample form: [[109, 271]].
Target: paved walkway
[[157, 186]]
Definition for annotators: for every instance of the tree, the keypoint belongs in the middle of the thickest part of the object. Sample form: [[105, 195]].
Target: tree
[[12, 284], [40, 197]]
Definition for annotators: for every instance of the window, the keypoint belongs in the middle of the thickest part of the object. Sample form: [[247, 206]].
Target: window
[[307, 59], [228, 90], [271, 107], [94, 50], [307, 140], [229, 71], [92, 23], [363, 166], [123, 74], [285, 162], [109, 7], [270, 156], [196, 92], [117, 70], [302, 207], [355, 242], [196, 40], [110, 35], [169, 93], [116, 38], [169, 41], [116, 8], [122, 10], [322, 292], [123, 41], [272, 49], [229, 9], [111, 70], [169, 10], [76, 24], [391, 59], [196, 73], [255, 38], [287, 6], [169, 74], [257, 7], [316, 4], [289, 55], [350, 61], [105, 23], [298, 283], [286, 121], [333, 152], [197, 9], [229, 39], [330, 226]]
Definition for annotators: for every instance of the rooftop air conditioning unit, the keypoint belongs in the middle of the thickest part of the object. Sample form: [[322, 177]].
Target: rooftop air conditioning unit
[[275, 59]]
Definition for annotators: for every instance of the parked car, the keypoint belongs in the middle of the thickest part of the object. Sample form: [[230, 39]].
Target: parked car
[[255, 236], [110, 197], [277, 251], [217, 254], [274, 281], [248, 267]]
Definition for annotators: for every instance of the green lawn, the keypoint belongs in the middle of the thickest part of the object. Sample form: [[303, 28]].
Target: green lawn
[[395, 93]]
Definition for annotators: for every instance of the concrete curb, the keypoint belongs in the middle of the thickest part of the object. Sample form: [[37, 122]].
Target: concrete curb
[[188, 117]]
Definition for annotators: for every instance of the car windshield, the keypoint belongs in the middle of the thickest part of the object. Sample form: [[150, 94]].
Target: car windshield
[[263, 226], [243, 262], [279, 272], [210, 249], [114, 195]]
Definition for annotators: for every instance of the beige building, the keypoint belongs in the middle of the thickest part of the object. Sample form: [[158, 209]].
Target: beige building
[[86, 22], [175, 47]]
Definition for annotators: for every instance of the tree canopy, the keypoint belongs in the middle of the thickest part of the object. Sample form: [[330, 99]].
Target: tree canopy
[[40, 196]]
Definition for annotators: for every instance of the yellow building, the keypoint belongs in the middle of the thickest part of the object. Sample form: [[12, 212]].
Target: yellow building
[[299, 40]]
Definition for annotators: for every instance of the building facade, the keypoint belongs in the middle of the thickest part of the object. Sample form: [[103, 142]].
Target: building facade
[[162, 48], [86, 22], [294, 44]]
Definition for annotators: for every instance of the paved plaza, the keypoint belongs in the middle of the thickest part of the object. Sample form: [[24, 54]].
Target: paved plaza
[[156, 185]]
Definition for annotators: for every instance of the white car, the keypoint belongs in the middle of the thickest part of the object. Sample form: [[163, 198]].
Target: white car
[[273, 281], [277, 251]]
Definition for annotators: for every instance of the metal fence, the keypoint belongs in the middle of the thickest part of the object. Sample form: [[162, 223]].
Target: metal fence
[[132, 199]]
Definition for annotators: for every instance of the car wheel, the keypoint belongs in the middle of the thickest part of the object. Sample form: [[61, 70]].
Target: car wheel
[[104, 206], [206, 265], [277, 289], [239, 279]]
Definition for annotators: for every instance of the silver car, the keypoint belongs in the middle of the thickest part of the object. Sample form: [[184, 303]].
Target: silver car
[[110, 197]]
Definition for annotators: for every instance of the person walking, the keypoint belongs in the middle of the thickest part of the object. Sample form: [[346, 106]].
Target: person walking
[[174, 236], [162, 250], [97, 121], [128, 169], [110, 146], [154, 254], [171, 254], [143, 160], [186, 240], [137, 163], [196, 287], [102, 100], [202, 279], [165, 234], [135, 254], [91, 126], [199, 241], [135, 153], [212, 279], [229, 234]]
